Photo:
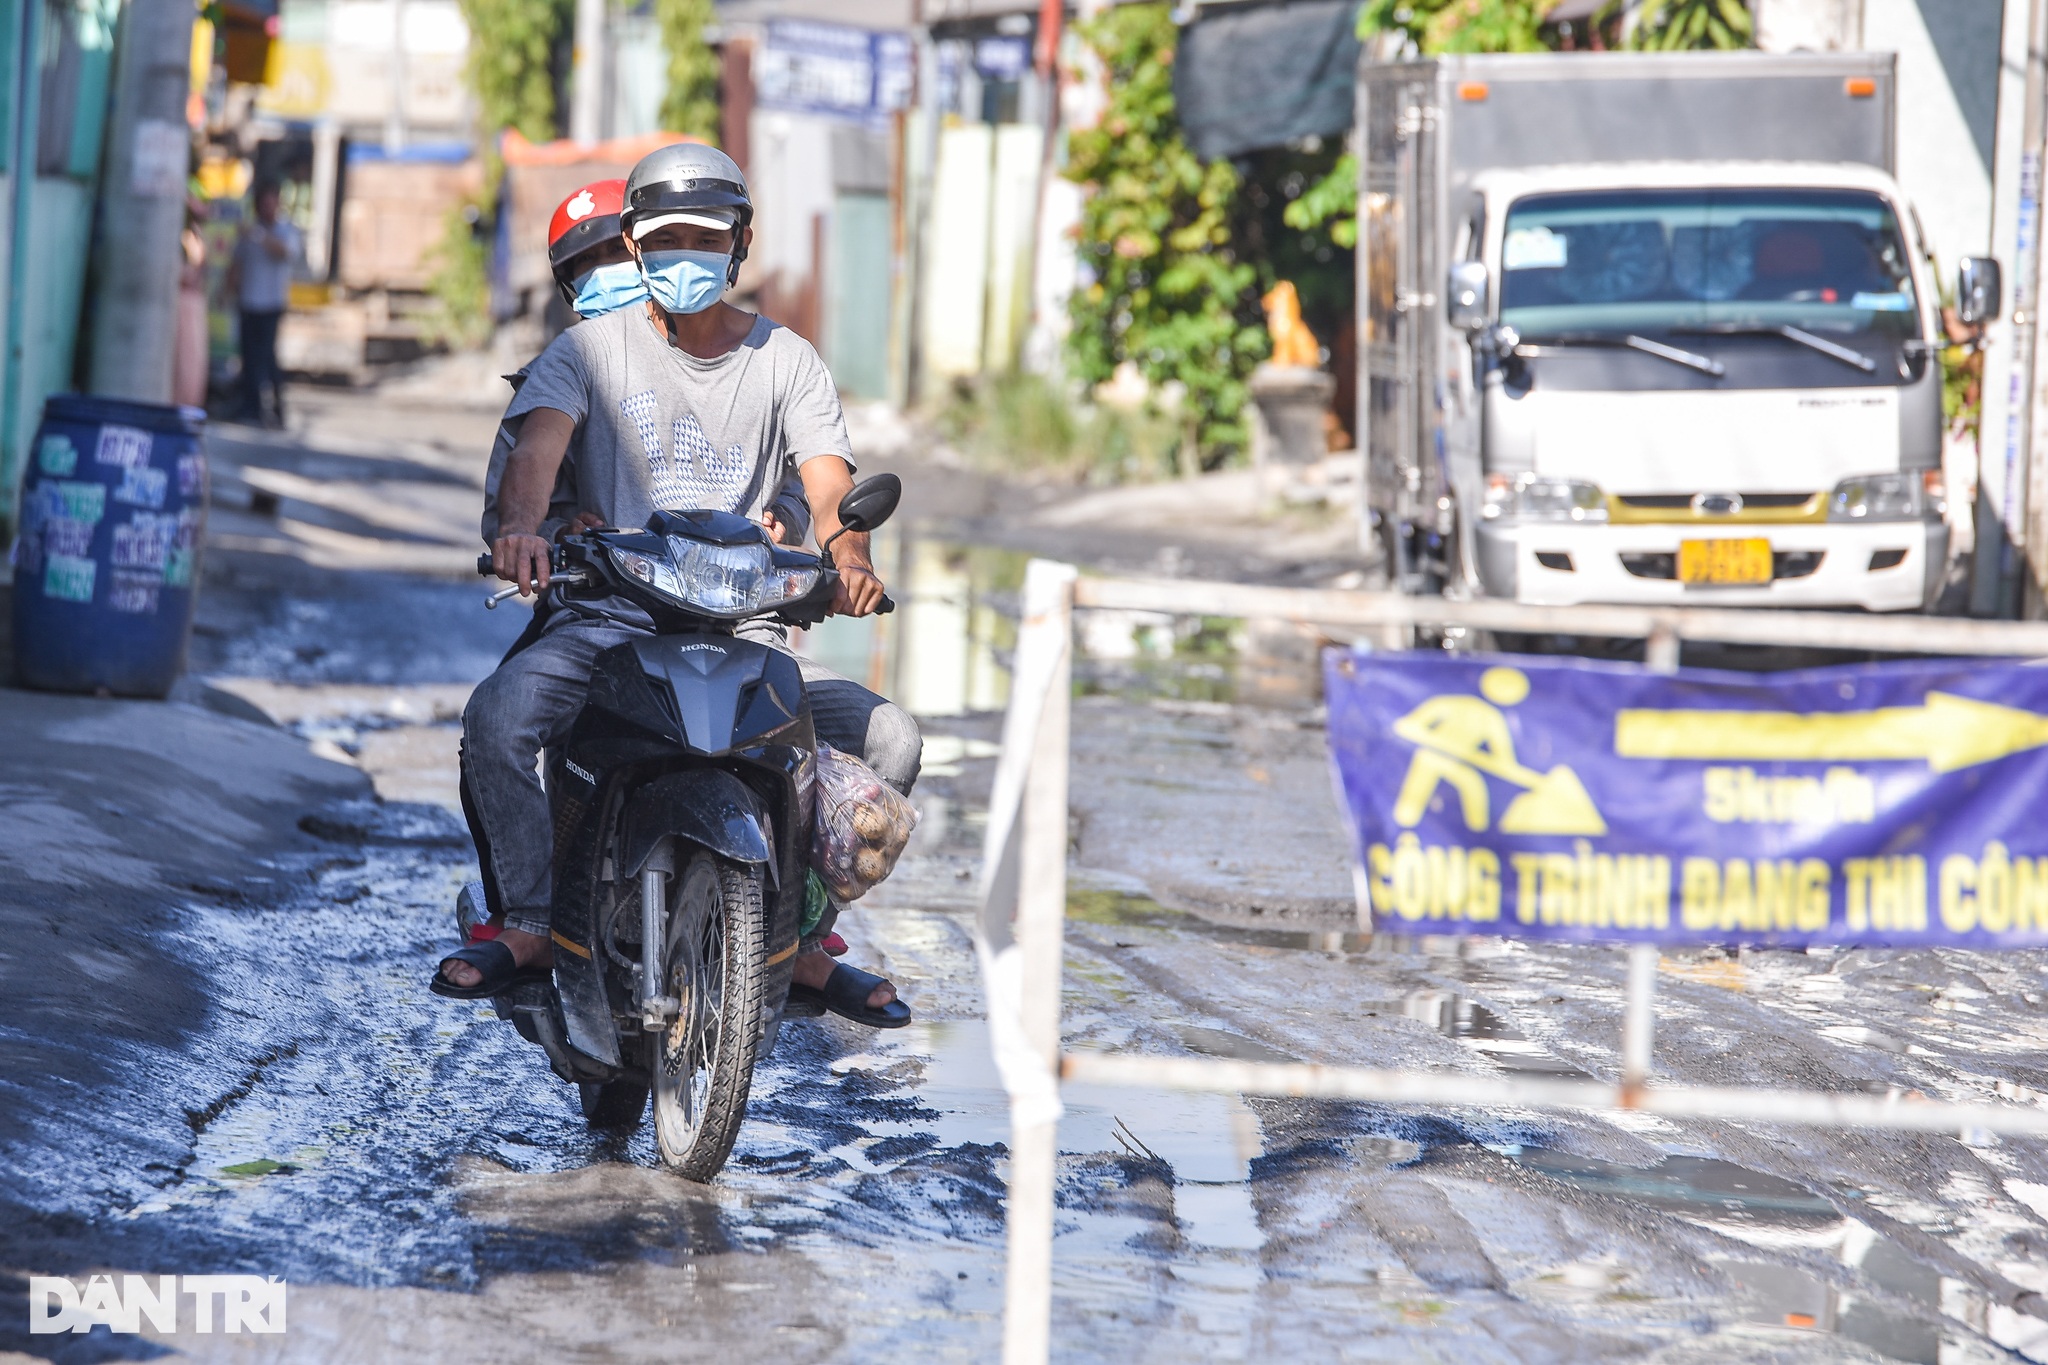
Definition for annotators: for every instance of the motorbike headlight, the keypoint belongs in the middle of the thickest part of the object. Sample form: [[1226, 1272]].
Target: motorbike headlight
[[1536, 497], [1906, 496], [718, 580]]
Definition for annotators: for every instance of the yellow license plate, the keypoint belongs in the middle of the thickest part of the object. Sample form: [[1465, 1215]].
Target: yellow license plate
[[1724, 562]]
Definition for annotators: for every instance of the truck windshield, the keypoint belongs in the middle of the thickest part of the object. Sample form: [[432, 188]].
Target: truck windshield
[[1830, 262]]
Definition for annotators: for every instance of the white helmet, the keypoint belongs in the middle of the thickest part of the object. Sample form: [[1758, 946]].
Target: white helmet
[[688, 182]]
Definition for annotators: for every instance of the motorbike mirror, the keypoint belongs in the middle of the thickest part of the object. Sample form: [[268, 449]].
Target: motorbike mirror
[[870, 503]]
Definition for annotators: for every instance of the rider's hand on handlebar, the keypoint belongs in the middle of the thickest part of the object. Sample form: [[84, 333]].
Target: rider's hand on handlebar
[[778, 532], [581, 522], [859, 591], [522, 560]]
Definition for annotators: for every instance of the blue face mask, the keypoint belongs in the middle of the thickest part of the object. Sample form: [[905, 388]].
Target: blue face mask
[[685, 281], [609, 288]]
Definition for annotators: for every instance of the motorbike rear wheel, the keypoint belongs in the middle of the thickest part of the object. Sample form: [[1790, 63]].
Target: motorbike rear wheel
[[715, 965]]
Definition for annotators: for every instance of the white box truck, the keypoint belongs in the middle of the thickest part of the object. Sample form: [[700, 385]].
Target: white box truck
[[1649, 328]]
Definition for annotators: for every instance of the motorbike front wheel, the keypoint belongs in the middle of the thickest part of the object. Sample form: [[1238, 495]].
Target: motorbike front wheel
[[715, 964]]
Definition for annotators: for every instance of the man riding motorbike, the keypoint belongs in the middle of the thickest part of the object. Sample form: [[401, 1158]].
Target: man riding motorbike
[[595, 274], [681, 402]]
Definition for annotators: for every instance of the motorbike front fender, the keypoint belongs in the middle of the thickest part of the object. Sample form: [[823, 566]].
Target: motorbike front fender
[[705, 806]]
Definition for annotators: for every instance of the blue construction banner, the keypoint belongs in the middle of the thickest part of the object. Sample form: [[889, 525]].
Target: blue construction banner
[[1896, 803]]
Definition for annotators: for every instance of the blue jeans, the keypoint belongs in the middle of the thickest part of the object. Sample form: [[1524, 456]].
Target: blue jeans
[[531, 702]]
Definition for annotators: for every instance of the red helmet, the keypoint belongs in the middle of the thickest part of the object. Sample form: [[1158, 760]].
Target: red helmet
[[587, 218]]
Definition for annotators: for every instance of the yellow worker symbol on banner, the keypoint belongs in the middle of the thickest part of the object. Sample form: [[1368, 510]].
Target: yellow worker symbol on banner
[[1461, 741]]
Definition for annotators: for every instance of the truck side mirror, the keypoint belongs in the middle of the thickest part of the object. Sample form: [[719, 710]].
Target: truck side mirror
[[1979, 290], [1465, 296]]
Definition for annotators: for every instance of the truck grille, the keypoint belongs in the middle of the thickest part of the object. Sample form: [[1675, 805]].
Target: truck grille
[[1714, 507], [1682, 502]]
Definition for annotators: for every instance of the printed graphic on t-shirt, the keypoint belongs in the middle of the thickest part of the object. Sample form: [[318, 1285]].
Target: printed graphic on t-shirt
[[689, 472]]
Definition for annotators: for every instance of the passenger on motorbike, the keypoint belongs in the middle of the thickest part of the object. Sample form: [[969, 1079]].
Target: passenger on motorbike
[[681, 402]]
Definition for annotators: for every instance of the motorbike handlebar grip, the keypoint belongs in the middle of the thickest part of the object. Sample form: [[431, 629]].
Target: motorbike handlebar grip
[[483, 565], [888, 605]]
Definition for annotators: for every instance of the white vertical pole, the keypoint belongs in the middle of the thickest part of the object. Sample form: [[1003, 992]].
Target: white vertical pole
[[1040, 928], [1638, 1022], [396, 129], [586, 81], [1660, 655], [326, 183], [1660, 651]]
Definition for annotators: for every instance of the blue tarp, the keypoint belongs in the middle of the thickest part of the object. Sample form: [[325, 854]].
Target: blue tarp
[[1896, 803]]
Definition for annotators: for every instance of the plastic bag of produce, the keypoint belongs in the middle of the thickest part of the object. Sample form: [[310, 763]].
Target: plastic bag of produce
[[863, 824]]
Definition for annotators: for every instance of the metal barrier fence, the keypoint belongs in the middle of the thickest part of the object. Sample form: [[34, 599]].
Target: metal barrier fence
[[1020, 932]]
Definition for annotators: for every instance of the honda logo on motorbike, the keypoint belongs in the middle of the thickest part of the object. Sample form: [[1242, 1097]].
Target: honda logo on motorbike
[[247, 1303]]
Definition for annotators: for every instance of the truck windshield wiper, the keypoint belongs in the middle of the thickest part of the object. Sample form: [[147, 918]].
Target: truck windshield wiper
[[1692, 361], [1790, 333]]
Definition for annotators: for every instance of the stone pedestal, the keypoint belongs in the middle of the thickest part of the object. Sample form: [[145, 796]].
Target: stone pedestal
[[1288, 404]]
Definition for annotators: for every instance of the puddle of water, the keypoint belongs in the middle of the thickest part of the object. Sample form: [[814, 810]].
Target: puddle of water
[[1701, 1185], [1124, 908], [1903, 1320], [1485, 1032], [945, 650], [943, 754], [1209, 1141], [1779, 1295], [1383, 1151]]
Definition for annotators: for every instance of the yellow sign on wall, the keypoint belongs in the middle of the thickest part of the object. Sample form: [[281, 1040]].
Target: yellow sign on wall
[[296, 82]]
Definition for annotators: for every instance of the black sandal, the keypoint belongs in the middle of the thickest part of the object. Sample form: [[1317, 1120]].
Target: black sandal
[[500, 972], [845, 993]]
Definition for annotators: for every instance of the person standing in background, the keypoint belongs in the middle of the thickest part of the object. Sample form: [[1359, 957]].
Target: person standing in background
[[259, 280], [188, 384]]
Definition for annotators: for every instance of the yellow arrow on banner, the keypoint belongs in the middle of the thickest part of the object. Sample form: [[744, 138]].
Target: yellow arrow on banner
[[1948, 732]]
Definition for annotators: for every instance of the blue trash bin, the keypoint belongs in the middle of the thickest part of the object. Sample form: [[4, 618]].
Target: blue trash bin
[[113, 511]]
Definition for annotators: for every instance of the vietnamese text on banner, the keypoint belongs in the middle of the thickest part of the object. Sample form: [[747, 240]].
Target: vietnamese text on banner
[[1898, 803]]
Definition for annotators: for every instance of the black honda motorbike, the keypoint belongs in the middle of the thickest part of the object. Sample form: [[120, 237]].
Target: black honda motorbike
[[683, 803]]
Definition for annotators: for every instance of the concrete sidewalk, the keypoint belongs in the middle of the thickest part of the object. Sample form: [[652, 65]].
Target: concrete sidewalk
[[117, 819]]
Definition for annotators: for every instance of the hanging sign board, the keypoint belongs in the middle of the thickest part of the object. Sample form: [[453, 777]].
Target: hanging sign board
[[852, 74], [1897, 803]]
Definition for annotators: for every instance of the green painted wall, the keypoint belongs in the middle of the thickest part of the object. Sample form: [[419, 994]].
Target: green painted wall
[[60, 238], [857, 306], [75, 79]]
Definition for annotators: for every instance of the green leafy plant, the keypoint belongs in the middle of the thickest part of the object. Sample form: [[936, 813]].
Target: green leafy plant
[[1163, 289], [1437, 26], [512, 49], [1331, 201], [690, 104], [460, 283], [1677, 25]]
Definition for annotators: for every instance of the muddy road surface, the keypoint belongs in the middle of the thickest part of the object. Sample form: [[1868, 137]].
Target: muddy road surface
[[220, 1054]]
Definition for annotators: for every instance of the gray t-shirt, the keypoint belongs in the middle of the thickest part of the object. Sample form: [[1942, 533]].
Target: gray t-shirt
[[791, 507], [660, 428]]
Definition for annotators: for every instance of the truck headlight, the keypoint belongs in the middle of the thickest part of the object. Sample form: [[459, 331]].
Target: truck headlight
[[1909, 495], [1537, 497], [718, 580]]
